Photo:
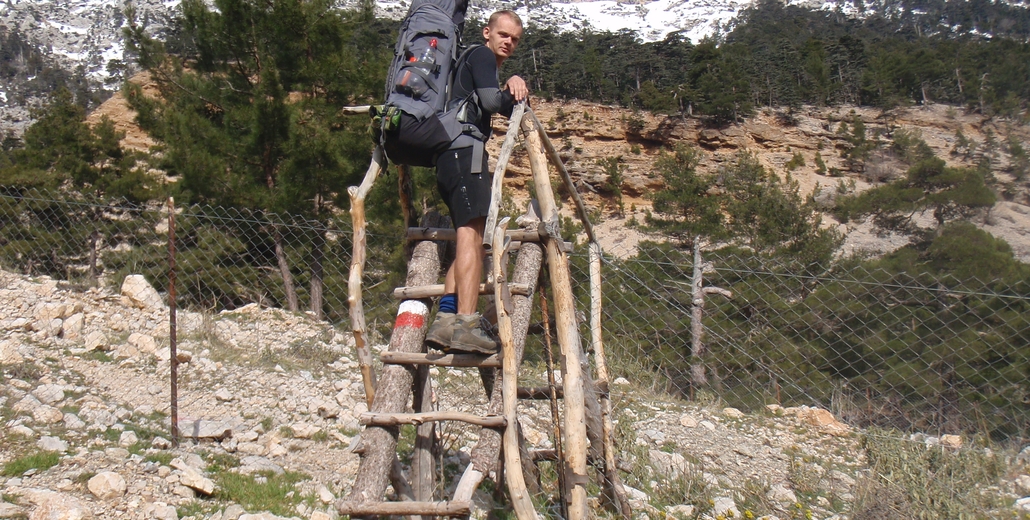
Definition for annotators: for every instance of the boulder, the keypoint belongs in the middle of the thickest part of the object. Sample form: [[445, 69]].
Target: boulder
[[49, 394], [9, 354], [107, 485], [192, 479], [141, 294], [56, 506], [72, 329]]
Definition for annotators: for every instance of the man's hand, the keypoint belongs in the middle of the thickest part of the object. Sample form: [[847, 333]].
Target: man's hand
[[517, 87]]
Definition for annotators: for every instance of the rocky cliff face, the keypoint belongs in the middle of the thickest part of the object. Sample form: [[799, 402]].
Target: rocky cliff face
[[587, 133]]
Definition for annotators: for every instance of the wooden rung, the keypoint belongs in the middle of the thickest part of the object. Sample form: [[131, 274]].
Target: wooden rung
[[404, 508], [550, 454], [517, 236], [539, 392], [428, 233], [434, 290], [396, 419], [439, 359]]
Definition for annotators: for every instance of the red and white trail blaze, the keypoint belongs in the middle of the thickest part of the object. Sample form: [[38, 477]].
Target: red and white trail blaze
[[412, 313]]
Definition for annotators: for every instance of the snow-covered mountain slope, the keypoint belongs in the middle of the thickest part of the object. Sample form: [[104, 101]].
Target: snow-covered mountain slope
[[89, 32]]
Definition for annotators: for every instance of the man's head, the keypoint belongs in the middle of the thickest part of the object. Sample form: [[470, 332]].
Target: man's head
[[502, 34]]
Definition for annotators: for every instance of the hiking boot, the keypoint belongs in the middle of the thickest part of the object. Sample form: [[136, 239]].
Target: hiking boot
[[439, 335], [468, 336]]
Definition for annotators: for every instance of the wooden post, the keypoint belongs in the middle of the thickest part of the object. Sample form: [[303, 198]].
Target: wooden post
[[486, 452], [378, 444], [357, 269], [568, 335], [552, 154], [172, 327], [521, 502], [422, 466], [502, 164], [612, 482]]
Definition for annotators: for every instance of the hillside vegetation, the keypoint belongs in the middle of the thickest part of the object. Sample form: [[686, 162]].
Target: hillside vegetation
[[243, 104]]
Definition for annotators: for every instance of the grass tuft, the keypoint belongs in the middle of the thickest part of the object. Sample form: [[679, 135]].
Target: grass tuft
[[41, 460], [265, 492], [909, 478]]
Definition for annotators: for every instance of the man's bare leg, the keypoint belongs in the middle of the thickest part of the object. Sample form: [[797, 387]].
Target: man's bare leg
[[466, 272], [463, 278]]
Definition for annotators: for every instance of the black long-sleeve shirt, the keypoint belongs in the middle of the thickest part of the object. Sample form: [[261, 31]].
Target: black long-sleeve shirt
[[478, 72]]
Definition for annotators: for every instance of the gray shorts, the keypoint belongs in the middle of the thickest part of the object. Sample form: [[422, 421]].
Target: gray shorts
[[466, 195]]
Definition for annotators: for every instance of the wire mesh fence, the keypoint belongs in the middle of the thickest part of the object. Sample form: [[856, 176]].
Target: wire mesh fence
[[878, 348]]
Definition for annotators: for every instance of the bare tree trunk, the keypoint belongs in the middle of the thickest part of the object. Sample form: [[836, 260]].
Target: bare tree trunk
[[284, 270], [317, 271], [697, 346], [698, 378]]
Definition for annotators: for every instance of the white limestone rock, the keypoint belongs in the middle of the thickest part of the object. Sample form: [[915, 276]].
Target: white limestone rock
[[96, 340], [56, 506], [9, 352], [160, 511], [49, 443], [143, 342], [192, 479], [47, 415], [141, 294], [127, 439], [73, 325], [107, 485], [49, 394]]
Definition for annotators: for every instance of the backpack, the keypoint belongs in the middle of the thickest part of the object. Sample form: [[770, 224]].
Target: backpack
[[415, 124]]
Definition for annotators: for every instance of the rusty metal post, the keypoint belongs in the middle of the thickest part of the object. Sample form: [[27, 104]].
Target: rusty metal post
[[173, 357]]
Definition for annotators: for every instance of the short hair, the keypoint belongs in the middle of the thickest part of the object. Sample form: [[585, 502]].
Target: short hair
[[504, 12]]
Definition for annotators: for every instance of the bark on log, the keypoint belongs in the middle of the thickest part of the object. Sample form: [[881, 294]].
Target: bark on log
[[284, 270], [395, 419], [614, 491], [430, 291], [405, 508], [568, 336], [379, 443], [555, 159], [317, 274], [423, 467]]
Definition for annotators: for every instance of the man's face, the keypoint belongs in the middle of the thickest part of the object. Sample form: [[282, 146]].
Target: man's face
[[502, 37]]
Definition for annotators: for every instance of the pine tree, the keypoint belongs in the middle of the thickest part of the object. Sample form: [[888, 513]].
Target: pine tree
[[248, 113]]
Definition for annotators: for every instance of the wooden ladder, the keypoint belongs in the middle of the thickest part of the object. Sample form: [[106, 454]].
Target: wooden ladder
[[406, 364]]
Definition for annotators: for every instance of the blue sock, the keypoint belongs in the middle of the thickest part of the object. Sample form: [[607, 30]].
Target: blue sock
[[449, 303]]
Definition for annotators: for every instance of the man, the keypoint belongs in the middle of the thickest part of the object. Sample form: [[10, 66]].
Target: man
[[464, 181]]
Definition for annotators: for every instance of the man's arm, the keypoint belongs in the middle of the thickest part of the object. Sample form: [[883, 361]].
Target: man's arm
[[518, 88], [484, 75]]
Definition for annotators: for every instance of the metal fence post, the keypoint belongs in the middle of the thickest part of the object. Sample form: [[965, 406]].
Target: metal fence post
[[173, 357]]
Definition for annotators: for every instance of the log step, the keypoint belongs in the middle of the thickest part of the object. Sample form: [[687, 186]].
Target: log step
[[434, 290], [396, 419], [551, 455], [440, 359], [404, 508], [517, 236], [539, 392]]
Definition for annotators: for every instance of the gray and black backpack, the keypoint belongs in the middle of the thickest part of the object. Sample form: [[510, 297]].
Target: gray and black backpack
[[414, 125]]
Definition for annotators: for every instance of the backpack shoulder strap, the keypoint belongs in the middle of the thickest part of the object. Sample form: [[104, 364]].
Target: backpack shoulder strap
[[458, 64]]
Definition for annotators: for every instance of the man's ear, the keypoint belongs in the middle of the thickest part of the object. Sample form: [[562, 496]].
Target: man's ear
[[486, 32]]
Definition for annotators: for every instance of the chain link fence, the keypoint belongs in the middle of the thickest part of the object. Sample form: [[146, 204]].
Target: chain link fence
[[877, 348]]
